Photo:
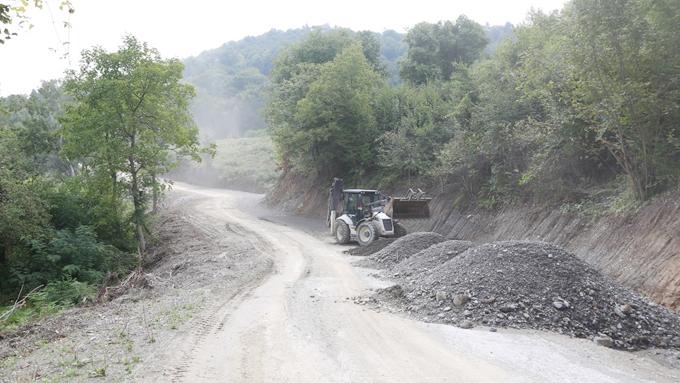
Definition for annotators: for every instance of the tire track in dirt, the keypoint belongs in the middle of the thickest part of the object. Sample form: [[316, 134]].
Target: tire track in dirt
[[213, 318]]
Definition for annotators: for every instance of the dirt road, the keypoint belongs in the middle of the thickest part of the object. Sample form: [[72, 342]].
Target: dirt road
[[297, 325]]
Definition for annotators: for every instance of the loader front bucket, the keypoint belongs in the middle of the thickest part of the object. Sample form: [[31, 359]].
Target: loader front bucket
[[402, 208]]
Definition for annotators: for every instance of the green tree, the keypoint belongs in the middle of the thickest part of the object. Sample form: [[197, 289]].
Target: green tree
[[13, 15], [435, 49], [337, 125], [130, 121], [23, 214], [320, 109], [624, 55], [416, 122]]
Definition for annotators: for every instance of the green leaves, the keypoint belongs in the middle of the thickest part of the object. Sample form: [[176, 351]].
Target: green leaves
[[624, 62], [435, 49], [572, 100], [130, 121], [321, 108]]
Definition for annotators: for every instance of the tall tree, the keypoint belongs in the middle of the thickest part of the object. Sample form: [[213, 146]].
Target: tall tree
[[434, 50], [337, 127], [315, 94], [22, 213], [624, 56], [130, 120]]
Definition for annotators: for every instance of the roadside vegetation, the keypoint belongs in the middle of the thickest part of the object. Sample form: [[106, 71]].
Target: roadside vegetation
[[232, 81], [79, 175], [577, 100]]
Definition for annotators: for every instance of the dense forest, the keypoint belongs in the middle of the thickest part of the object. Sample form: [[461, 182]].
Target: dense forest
[[232, 81], [79, 166], [578, 105]]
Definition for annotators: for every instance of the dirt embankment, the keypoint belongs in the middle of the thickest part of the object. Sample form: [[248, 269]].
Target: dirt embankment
[[300, 194], [640, 250]]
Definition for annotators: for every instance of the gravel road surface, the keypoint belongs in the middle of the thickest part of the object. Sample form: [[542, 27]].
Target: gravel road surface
[[300, 324]]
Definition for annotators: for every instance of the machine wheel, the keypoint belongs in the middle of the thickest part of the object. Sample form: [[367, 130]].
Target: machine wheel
[[341, 232], [366, 233], [399, 230]]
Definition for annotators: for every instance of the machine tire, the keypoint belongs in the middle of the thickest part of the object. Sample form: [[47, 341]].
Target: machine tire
[[366, 233], [341, 232], [399, 230]]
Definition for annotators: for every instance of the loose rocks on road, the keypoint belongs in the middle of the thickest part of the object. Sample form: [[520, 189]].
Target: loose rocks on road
[[521, 284]]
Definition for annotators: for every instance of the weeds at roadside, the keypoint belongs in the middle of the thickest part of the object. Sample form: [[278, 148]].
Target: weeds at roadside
[[70, 373], [124, 337], [98, 372], [9, 362], [130, 363], [44, 301], [178, 315], [149, 330]]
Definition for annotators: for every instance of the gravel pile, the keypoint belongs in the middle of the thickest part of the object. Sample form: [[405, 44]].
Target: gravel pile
[[405, 247], [374, 246], [533, 285], [426, 260]]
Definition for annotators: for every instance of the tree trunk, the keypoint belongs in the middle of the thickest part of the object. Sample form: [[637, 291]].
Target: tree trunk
[[154, 182], [4, 254], [138, 212], [141, 247], [114, 181], [137, 202]]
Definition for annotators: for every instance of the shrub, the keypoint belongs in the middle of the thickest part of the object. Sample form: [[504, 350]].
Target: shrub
[[65, 293]]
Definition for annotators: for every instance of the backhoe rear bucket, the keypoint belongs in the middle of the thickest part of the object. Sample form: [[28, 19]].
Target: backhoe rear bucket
[[402, 208]]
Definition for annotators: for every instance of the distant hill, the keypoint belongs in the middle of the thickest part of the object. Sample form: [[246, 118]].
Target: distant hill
[[231, 80]]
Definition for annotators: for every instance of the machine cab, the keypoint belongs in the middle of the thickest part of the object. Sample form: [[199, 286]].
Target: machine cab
[[359, 203]]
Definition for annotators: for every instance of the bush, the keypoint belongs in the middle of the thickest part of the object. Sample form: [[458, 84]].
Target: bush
[[75, 255], [79, 201], [65, 293], [54, 297]]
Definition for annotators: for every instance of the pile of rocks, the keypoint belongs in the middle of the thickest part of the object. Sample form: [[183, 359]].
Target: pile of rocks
[[371, 248], [405, 247], [528, 285], [426, 260]]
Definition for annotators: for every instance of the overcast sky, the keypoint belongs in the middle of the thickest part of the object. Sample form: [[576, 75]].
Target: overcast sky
[[185, 28]]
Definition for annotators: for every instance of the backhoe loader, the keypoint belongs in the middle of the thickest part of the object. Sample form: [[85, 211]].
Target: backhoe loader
[[363, 215]]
